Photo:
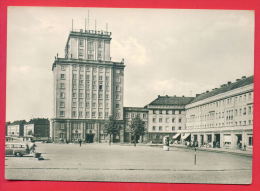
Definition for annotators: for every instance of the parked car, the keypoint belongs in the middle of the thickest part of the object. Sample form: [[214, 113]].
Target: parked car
[[16, 149]]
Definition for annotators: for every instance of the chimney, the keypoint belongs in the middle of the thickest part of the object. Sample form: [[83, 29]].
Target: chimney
[[229, 83], [159, 96], [207, 91], [237, 80], [243, 77]]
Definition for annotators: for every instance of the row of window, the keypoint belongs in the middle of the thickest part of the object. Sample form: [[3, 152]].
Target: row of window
[[166, 128], [166, 120], [211, 125], [133, 115], [230, 114], [88, 68], [225, 102], [168, 112]]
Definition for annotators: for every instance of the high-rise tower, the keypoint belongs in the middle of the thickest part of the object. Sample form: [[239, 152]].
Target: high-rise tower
[[88, 87]]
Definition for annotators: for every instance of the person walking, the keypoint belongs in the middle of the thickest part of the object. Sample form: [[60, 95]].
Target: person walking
[[80, 141]]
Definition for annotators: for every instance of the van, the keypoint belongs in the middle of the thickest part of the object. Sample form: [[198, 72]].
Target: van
[[16, 149]]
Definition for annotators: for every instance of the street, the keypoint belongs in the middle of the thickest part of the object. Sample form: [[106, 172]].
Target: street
[[125, 163]]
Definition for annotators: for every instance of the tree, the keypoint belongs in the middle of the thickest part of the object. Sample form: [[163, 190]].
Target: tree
[[112, 128], [137, 128]]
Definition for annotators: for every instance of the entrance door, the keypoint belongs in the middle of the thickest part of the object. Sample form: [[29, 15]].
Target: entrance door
[[89, 138], [239, 141], [201, 139], [217, 140]]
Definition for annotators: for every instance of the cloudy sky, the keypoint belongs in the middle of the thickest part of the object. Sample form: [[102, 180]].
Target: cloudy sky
[[166, 51]]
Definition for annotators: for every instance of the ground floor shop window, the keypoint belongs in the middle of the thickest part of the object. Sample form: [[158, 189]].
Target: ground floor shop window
[[250, 141]]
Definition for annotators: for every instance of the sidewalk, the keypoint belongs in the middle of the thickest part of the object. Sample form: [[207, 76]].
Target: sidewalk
[[219, 150]]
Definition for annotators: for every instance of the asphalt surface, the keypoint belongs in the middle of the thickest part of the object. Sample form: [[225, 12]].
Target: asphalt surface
[[119, 163]]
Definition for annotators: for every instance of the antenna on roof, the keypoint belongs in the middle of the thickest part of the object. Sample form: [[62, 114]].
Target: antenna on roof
[[85, 24], [88, 19], [95, 24], [106, 27], [72, 25]]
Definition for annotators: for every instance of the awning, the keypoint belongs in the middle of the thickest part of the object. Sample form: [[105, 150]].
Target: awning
[[176, 136], [185, 136]]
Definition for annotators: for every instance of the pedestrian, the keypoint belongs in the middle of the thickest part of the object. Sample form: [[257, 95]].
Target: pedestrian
[[80, 141]]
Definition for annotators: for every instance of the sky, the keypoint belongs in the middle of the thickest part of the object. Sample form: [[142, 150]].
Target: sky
[[166, 51]]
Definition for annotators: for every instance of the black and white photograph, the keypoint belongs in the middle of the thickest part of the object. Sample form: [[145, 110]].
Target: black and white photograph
[[129, 95]]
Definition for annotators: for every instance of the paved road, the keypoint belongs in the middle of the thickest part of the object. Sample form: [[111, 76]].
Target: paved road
[[101, 162]]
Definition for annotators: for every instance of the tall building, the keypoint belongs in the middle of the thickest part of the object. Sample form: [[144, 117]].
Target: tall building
[[88, 87]]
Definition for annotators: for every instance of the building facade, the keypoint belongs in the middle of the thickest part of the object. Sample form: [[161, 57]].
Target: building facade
[[37, 128], [15, 129], [88, 88], [129, 114], [222, 117], [166, 116]]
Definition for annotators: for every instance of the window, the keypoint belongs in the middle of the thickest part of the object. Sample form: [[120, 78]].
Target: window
[[62, 126], [167, 120], [154, 128], [160, 120], [99, 114], [81, 42], [62, 104], [100, 87], [173, 119], [244, 113], [117, 96], [117, 105], [250, 141], [63, 68], [62, 95], [80, 114], [61, 113], [179, 120], [173, 128], [160, 111], [117, 88], [160, 128], [179, 111], [73, 113], [62, 76], [87, 114], [93, 114], [154, 111], [87, 104], [94, 104], [249, 109], [154, 120], [106, 114], [179, 128]]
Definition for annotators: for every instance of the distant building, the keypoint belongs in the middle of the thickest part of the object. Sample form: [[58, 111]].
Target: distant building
[[16, 128], [88, 88], [166, 116], [129, 114], [37, 128]]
